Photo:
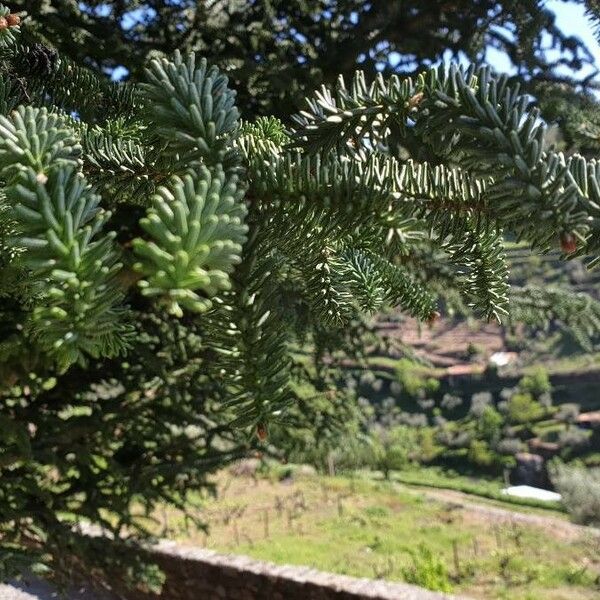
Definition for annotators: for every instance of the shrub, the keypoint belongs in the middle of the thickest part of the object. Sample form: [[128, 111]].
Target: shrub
[[580, 491], [480, 454], [413, 379], [536, 382], [522, 408], [350, 453], [428, 449], [427, 570], [568, 412], [516, 569], [574, 438], [474, 350], [479, 402], [450, 401], [509, 446], [413, 419], [489, 424]]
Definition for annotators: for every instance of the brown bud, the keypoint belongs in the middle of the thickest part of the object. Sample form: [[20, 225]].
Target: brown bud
[[13, 20], [3, 23], [261, 432], [415, 100], [568, 244], [432, 318]]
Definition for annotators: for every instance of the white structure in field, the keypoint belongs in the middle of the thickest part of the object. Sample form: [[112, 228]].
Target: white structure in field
[[501, 359], [528, 491]]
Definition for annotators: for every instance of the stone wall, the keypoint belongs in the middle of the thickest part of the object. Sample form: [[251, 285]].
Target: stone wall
[[199, 574]]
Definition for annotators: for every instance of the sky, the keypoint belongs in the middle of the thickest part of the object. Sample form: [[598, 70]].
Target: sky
[[570, 17], [572, 20]]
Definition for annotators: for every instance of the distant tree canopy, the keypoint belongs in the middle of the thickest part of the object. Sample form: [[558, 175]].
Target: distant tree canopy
[[277, 51]]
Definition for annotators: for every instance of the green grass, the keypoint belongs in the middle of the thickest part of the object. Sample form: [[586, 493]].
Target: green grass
[[388, 363], [369, 528], [568, 364], [490, 489]]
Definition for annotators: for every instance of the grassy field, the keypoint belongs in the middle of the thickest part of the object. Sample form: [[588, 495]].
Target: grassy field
[[373, 529], [489, 489]]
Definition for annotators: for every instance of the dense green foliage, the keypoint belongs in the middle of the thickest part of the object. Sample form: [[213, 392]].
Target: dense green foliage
[[278, 51], [161, 261]]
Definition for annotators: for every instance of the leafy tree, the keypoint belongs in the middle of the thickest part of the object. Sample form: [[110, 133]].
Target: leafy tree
[[523, 408], [568, 413], [451, 402], [575, 314], [574, 440], [413, 379], [536, 382], [480, 401], [428, 448], [489, 424], [394, 449], [480, 454], [580, 491], [162, 261], [509, 446]]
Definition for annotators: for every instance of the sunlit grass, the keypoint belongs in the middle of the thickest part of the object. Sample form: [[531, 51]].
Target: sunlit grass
[[369, 529]]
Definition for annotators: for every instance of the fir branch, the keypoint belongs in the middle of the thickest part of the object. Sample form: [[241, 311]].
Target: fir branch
[[57, 224], [484, 280], [196, 234], [249, 340], [55, 81], [191, 105], [483, 123], [127, 167]]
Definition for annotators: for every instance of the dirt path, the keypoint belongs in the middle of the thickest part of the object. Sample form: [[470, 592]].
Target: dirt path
[[503, 516]]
